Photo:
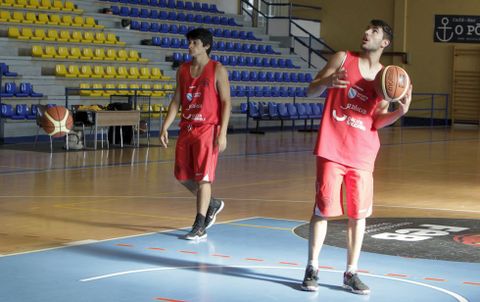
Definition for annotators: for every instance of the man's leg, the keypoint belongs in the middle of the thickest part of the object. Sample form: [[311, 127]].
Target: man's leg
[[203, 192], [355, 233], [318, 231]]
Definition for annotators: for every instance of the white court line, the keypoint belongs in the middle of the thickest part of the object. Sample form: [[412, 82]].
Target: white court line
[[453, 294]]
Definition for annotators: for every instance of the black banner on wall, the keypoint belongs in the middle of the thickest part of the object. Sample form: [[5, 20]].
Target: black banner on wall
[[457, 29]]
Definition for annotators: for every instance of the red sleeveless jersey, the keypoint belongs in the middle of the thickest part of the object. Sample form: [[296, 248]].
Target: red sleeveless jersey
[[199, 96], [346, 134]]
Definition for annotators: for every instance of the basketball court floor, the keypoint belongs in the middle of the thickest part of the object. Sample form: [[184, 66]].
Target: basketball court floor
[[106, 225]]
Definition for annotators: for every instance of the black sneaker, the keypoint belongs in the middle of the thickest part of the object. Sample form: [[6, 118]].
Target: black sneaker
[[215, 207], [353, 283], [310, 281], [198, 229]]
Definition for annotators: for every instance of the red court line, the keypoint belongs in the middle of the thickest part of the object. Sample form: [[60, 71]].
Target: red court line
[[363, 271], [472, 283], [169, 300], [435, 279], [156, 249], [188, 252], [220, 255], [124, 244], [288, 263], [396, 275], [254, 259], [326, 267]]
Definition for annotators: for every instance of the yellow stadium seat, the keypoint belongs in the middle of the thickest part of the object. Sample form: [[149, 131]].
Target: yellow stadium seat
[[87, 37], [133, 72], [5, 16], [37, 51], [75, 53], [52, 35], [42, 18], [87, 54], [7, 3], [78, 21], [99, 38], [72, 71], [133, 88], [39, 34], [146, 89], [50, 52], [62, 52], [60, 70], [17, 17], [66, 20], [70, 6], [64, 36], [13, 32], [85, 92], [110, 72], [20, 3], [109, 89], [134, 56], [122, 55], [76, 36], [111, 54], [30, 18], [85, 71], [111, 39], [168, 88], [158, 90], [121, 89], [45, 4], [57, 5], [25, 33], [33, 4], [122, 72], [145, 73], [98, 71], [54, 19], [156, 73], [157, 110], [99, 54], [99, 90], [89, 22]]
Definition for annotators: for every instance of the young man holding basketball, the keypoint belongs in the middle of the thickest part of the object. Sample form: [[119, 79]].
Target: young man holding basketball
[[347, 146], [203, 94]]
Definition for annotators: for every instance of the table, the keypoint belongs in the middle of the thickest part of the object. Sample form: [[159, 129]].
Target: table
[[117, 118]]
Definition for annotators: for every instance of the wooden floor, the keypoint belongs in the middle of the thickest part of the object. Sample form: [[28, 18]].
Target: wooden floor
[[49, 200]]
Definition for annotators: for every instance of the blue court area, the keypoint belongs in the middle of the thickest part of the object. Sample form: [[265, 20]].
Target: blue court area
[[255, 259]]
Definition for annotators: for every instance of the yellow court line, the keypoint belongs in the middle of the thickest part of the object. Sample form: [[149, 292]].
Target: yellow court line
[[261, 226]]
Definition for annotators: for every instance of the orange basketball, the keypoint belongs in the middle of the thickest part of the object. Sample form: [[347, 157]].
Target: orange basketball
[[57, 121], [392, 83]]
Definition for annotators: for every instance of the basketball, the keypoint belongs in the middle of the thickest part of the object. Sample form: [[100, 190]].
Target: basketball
[[392, 83], [57, 121]]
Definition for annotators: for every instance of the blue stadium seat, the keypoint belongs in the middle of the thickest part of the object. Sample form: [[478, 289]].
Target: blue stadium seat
[[175, 43], [308, 78], [144, 26], [187, 57], [291, 91], [221, 45], [173, 29], [172, 16], [261, 49], [265, 62], [308, 110], [241, 61], [181, 17], [180, 4], [234, 34], [253, 48], [273, 62], [229, 46], [153, 2], [236, 75], [32, 112], [134, 12], [165, 42], [215, 57], [266, 91], [281, 63], [182, 29], [198, 18], [272, 110], [144, 13], [274, 91], [115, 10], [215, 20], [246, 47], [299, 92], [278, 77], [213, 9], [292, 111], [262, 76], [163, 15], [157, 41], [207, 19], [9, 89], [242, 35], [301, 111], [184, 44], [317, 110], [154, 14], [218, 32], [293, 77], [232, 22], [7, 110], [171, 4], [253, 76], [5, 71], [270, 76], [253, 110], [251, 36], [124, 11], [162, 3], [249, 91], [300, 77], [177, 57], [258, 62], [224, 20], [164, 28], [197, 6], [154, 27], [23, 90], [243, 107], [205, 7], [188, 5], [283, 111], [135, 25], [283, 92], [249, 61], [241, 91], [245, 75], [227, 33], [20, 112], [232, 60], [224, 60]]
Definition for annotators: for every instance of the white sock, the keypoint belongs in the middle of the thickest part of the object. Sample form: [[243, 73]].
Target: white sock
[[313, 263], [351, 269]]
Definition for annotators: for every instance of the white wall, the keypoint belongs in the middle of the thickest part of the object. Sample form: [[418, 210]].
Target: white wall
[[228, 6]]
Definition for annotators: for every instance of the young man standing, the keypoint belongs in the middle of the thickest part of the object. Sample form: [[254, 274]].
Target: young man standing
[[203, 94], [347, 146]]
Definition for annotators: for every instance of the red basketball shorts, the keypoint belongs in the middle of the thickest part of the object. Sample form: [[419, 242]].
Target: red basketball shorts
[[195, 154], [329, 195]]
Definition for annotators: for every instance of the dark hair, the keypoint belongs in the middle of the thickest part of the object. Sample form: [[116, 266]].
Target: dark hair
[[203, 35], [387, 30], [125, 22]]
